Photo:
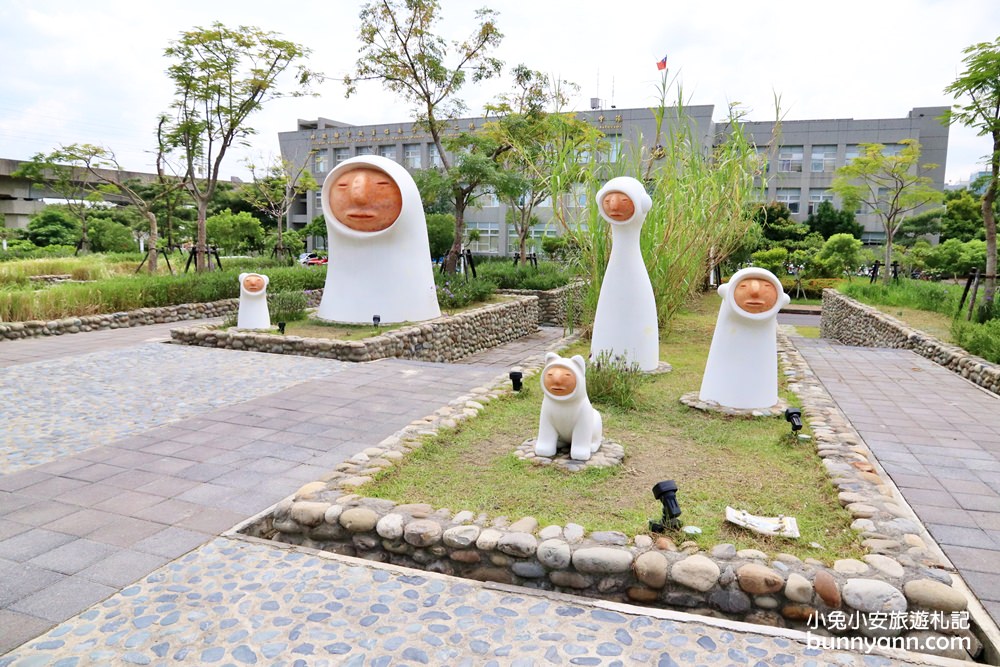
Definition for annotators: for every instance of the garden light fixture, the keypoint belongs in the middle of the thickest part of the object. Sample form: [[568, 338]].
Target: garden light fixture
[[281, 327], [794, 417], [666, 493], [515, 379], [376, 319]]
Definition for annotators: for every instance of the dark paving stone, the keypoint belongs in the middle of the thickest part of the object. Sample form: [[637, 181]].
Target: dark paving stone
[[920, 497], [40, 512], [978, 502], [125, 531], [123, 567], [961, 536], [82, 522], [969, 559], [63, 599], [73, 556], [18, 580], [35, 542], [171, 542], [19, 628], [946, 516], [985, 586], [12, 528]]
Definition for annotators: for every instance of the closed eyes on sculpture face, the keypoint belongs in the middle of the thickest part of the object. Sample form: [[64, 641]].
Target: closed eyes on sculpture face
[[365, 199], [618, 206], [755, 295], [560, 381]]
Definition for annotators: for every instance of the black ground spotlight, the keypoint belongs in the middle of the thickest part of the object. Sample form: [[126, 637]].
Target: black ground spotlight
[[666, 493], [794, 417], [281, 327], [515, 379], [376, 319]]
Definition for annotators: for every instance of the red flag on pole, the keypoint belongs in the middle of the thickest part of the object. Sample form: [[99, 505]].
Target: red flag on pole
[[662, 64]]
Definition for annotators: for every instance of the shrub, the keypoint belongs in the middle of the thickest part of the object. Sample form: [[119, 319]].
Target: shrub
[[919, 294], [813, 287], [774, 260], [614, 381], [506, 275], [454, 291], [287, 306], [440, 233], [982, 340]]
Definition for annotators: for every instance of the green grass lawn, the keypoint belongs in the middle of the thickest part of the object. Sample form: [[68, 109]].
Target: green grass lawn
[[749, 464]]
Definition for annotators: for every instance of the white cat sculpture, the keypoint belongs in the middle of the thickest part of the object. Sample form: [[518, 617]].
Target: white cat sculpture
[[253, 313], [742, 367], [567, 415]]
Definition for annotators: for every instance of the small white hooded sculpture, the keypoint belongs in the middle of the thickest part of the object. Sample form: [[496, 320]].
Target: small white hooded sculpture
[[742, 367], [625, 323], [379, 254], [567, 415], [253, 313]]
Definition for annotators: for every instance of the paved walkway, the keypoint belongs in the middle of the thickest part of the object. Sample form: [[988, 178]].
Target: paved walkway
[[938, 437], [109, 551]]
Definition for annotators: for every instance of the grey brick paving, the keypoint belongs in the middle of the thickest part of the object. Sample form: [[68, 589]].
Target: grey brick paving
[[943, 424]]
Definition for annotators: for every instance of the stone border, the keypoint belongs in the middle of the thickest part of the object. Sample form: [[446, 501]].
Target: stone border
[[610, 454], [130, 318], [902, 573], [858, 324], [554, 304], [446, 338], [692, 400]]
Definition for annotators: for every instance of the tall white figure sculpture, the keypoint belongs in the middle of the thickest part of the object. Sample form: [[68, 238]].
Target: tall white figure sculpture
[[742, 367], [379, 255], [625, 323], [253, 313], [567, 415]]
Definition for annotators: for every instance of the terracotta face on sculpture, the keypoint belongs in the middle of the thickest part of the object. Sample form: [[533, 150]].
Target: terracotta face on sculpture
[[755, 295], [253, 282], [560, 381], [365, 199], [618, 206]]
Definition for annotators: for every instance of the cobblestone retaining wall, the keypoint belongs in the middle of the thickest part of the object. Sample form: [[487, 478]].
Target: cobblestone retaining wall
[[854, 323], [131, 318], [444, 339], [554, 305], [900, 574]]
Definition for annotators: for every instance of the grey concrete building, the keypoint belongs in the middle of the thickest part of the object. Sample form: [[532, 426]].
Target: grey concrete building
[[799, 174]]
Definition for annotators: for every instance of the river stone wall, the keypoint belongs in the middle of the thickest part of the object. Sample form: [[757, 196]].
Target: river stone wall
[[902, 571], [556, 305], [131, 318], [447, 338], [854, 323]]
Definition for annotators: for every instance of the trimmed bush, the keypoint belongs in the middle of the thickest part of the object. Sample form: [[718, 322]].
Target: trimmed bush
[[548, 275], [454, 291]]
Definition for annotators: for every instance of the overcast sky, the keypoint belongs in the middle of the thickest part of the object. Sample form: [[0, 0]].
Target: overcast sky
[[95, 71]]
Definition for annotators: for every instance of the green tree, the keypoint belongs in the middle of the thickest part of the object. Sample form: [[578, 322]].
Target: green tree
[[435, 192], [980, 84], [774, 260], [963, 218], [890, 185], [401, 48], [925, 223], [315, 228], [441, 233], [235, 232], [69, 181], [947, 257], [54, 225], [827, 220], [839, 255], [273, 192], [110, 235], [221, 77]]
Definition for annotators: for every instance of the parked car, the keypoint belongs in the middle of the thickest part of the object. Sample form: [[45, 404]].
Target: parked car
[[315, 261]]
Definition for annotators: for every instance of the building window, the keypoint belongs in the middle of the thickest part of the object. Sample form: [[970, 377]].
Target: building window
[[873, 238], [790, 159], [388, 152], [411, 156], [341, 154], [790, 197], [534, 238], [817, 196], [321, 160], [318, 203], [365, 150], [583, 157], [489, 237], [614, 147], [433, 157], [892, 149], [824, 159], [853, 152], [486, 200], [764, 158], [578, 195]]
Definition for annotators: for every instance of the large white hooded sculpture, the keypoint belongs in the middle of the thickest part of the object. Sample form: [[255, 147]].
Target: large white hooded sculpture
[[625, 322], [253, 313], [379, 255], [742, 367]]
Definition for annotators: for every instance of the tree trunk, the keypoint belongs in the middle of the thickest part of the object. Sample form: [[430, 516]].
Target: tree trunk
[[153, 240], [201, 243], [990, 222], [451, 261], [886, 273]]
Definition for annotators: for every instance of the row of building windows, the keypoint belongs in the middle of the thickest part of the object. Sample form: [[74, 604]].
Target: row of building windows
[[823, 159]]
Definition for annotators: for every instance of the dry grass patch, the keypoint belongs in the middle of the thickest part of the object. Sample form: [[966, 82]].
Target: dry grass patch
[[750, 464]]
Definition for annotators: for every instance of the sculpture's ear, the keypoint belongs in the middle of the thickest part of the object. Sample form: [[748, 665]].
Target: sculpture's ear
[[550, 357], [723, 288], [267, 280], [785, 299], [580, 363], [242, 276]]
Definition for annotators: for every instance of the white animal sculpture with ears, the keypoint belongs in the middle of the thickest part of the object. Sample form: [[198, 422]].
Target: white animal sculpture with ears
[[253, 313], [380, 257], [742, 367], [625, 323], [567, 415]]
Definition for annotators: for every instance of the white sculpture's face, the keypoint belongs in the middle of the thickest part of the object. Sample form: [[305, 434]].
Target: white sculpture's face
[[559, 381], [253, 283], [755, 295], [365, 199], [618, 206]]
